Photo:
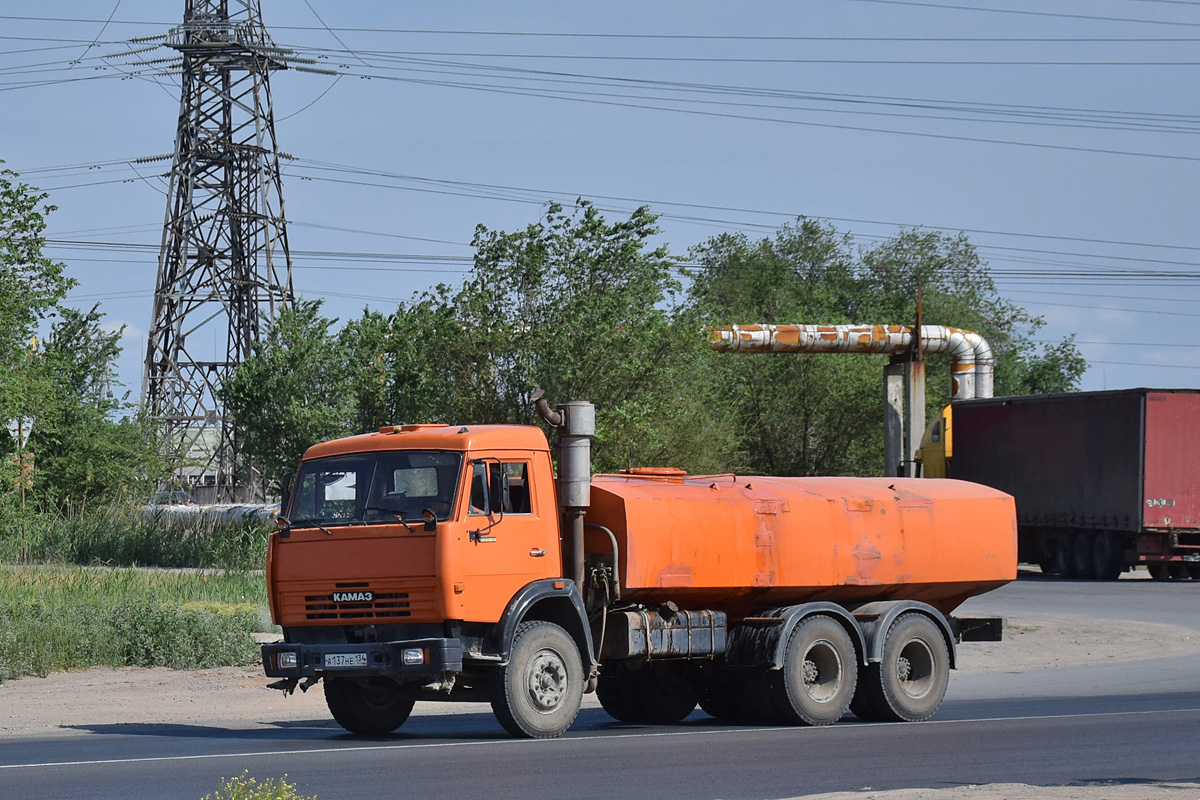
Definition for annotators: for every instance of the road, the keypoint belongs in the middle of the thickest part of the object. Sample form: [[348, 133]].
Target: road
[[1127, 722]]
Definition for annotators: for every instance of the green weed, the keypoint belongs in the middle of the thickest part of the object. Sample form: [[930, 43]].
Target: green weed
[[244, 787], [54, 618]]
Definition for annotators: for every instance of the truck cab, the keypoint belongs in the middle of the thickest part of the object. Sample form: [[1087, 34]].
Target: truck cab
[[405, 557]]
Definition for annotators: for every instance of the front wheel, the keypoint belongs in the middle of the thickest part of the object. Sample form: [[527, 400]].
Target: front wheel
[[908, 684], [537, 694], [368, 706]]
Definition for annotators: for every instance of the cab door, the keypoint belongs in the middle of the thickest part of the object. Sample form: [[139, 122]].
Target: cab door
[[510, 537]]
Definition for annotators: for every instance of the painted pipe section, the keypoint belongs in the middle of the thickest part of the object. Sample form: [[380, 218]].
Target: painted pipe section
[[971, 361]]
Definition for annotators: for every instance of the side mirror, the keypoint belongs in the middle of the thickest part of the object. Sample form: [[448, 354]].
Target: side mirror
[[430, 520], [285, 491]]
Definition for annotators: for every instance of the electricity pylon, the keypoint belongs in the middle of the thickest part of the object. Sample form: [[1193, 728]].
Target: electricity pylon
[[224, 267]]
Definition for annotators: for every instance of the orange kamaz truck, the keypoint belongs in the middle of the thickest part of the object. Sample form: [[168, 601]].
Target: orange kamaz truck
[[448, 561]]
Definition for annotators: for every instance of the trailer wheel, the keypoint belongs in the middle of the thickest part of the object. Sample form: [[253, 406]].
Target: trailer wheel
[[536, 695], [1064, 555], [1084, 556], [1108, 555], [1158, 571], [816, 684], [909, 683], [1194, 570], [1178, 570], [368, 706]]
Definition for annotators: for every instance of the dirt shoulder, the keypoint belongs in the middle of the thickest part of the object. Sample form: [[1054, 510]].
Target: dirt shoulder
[[65, 702], [72, 703]]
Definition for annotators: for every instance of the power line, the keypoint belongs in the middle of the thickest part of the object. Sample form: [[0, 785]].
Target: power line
[[1060, 15], [662, 36]]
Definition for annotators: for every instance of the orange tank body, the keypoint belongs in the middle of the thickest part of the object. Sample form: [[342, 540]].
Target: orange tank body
[[738, 543]]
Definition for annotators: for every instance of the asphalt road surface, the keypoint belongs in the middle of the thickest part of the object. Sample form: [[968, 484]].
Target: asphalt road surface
[[1130, 722]]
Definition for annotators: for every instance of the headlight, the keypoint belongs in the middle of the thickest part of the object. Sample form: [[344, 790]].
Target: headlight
[[414, 656], [287, 660]]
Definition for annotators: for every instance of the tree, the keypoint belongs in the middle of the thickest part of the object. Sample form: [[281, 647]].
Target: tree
[[83, 454], [292, 391], [579, 307], [803, 415], [31, 286]]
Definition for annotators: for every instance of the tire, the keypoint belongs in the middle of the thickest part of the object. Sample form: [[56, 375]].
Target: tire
[[820, 670], [1178, 570], [1194, 570], [721, 702], [368, 706], [1048, 564], [909, 683], [1084, 554], [665, 692], [614, 691], [660, 693], [1158, 571], [1108, 555], [1064, 555], [536, 695]]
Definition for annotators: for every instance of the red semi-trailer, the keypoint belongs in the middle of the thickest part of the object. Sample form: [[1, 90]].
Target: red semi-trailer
[[1104, 481]]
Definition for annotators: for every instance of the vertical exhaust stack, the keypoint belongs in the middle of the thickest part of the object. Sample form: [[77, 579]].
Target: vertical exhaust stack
[[576, 426]]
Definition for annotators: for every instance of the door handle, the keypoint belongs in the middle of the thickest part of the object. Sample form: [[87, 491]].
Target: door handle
[[537, 553]]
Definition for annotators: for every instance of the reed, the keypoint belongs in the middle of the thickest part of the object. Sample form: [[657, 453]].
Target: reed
[[59, 617], [122, 535]]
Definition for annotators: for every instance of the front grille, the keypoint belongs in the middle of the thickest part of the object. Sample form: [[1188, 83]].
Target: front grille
[[390, 605]]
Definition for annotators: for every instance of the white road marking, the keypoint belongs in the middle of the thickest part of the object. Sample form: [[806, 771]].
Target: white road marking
[[601, 737]]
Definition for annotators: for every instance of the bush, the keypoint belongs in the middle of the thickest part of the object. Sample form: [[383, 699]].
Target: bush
[[245, 787], [152, 635], [54, 618]]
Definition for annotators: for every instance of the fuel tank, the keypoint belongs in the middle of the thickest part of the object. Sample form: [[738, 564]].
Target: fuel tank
[[743, 544]]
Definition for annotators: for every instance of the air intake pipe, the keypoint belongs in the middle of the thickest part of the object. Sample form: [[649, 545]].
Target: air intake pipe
[[576, 425]]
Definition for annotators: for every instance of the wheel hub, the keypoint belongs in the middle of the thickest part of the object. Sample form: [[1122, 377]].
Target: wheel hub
[[810, 673], [903, 668], [547, 680]]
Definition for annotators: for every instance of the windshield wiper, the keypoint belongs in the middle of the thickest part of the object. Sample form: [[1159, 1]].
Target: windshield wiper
[[398, 517], [304, 523]]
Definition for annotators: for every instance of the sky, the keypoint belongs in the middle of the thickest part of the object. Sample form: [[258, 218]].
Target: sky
[[1059, 135]]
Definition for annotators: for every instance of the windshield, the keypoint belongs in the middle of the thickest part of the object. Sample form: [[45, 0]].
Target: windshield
[[375, 487]]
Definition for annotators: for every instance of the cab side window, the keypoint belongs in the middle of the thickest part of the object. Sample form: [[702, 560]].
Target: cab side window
[[500, 487]]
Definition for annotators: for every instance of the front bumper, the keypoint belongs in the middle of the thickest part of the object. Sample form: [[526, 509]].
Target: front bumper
[[403, 659]]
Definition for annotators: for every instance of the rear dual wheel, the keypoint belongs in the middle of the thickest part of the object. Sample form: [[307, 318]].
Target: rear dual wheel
[[661, 692], [819, 674], [909, 682], [1089, 555], [1064, 555], [1173, 570]]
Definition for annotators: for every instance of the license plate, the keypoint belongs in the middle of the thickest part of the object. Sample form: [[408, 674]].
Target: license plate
[[345, 659]]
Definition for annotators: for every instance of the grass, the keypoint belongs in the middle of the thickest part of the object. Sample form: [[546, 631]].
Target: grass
[[64, 617], [122, 535]]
